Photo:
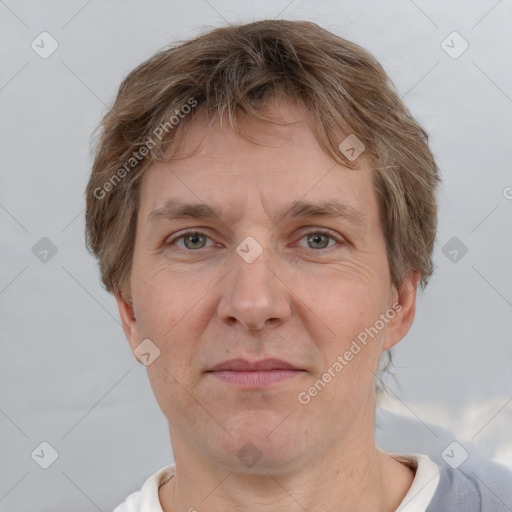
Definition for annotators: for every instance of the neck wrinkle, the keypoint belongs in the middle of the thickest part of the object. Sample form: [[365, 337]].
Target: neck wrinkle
[[354, 477]]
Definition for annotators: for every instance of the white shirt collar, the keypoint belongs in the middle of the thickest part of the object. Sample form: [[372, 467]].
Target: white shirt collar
[[417, 499]]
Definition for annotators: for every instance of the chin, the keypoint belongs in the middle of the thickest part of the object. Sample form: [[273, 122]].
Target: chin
[[260, 441]]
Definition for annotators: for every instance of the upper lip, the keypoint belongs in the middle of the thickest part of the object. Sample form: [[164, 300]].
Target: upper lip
[[242, 365]]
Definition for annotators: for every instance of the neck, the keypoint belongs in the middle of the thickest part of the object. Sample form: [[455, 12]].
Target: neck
[[352, 476]]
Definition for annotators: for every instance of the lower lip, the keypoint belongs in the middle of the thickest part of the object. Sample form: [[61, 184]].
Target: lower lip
[[256, 379]]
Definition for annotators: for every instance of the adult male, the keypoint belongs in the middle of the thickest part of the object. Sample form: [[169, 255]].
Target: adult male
[[262, 205]]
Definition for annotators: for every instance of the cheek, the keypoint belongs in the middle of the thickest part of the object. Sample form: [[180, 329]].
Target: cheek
[[161, 308], [162, 296], [343, 312], [168, 312], [345, 298], [349, 347]]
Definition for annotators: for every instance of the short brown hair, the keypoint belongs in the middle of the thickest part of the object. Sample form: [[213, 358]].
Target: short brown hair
[[234, 72]]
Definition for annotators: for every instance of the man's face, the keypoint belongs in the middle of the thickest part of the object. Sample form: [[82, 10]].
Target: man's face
[[262, 280]]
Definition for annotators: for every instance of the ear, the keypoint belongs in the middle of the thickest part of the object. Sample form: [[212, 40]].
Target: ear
[[128, 320], [404, 304]]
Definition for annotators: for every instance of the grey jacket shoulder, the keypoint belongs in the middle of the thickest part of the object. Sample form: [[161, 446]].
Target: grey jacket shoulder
[[477, 487]]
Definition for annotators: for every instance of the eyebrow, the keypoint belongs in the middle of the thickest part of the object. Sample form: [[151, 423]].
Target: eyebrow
[[175, 210]]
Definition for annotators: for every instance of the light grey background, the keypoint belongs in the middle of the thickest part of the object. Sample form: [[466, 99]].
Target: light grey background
[[67, 375]]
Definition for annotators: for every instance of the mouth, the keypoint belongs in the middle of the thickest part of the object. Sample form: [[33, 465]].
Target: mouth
[[254, 375]]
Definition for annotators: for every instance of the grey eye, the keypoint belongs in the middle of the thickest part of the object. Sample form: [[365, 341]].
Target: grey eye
[[194, 240], [318, 240]]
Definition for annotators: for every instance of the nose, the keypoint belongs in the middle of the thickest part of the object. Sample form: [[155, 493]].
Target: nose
[[255, 295]]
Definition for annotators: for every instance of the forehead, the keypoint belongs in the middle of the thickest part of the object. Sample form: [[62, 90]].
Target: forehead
[[270, 168]]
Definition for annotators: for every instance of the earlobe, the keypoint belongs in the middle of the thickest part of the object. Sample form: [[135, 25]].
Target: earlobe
[[405, 305], [128, 320]]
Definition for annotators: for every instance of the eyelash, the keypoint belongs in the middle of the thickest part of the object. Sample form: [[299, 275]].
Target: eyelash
[[189, 232]]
